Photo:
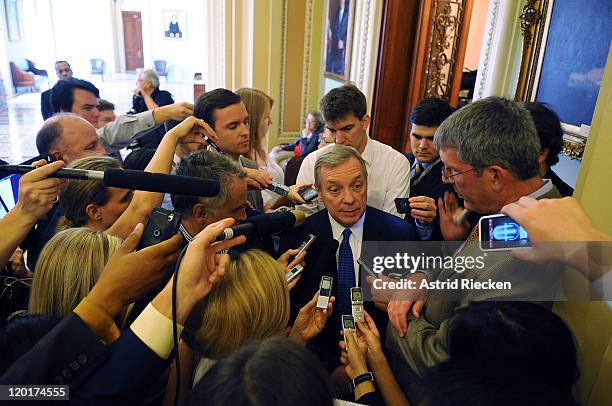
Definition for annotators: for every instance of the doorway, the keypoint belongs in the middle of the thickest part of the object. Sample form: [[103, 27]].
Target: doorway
[[132, 40]]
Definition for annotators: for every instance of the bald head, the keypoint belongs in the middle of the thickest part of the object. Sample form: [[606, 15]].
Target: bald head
[[68, 137]]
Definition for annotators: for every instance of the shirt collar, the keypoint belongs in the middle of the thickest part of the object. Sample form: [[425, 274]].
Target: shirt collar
[[368, 151], [545, 188], [338, 229], [425, 164]]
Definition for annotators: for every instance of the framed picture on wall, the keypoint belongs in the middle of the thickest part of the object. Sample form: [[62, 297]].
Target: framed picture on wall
[[175, 24], [564, 63], [338, 39], [12, 20]]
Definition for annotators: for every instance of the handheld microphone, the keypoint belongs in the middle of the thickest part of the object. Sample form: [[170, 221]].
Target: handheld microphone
[[131, 179], [264, 224]]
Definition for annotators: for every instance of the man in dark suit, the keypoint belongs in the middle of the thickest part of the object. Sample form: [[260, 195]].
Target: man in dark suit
[[549, 130], [63, 71], [341, 181], [338, 34], [426, 184]]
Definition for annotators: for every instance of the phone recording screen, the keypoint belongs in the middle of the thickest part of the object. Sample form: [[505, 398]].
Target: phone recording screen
[[502, 232], [325, 287], [348, 323]]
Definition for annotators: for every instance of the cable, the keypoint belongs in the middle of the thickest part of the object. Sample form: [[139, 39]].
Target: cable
[[175, 327]]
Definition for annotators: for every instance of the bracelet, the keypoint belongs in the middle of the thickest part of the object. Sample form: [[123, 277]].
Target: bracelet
[[367, 377]]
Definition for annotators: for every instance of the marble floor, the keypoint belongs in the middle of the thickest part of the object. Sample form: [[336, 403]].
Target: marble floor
[[22, 120]]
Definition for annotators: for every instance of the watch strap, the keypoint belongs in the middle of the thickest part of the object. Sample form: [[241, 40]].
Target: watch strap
[[368, 376]]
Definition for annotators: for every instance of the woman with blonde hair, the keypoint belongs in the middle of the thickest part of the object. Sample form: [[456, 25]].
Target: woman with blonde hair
[[250, 302], [259, 106], [68, 268]]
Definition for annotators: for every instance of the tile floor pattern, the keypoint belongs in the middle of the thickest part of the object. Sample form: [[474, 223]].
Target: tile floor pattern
[[22, 120]]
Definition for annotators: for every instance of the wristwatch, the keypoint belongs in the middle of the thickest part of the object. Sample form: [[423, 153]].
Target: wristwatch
[[360, 379]]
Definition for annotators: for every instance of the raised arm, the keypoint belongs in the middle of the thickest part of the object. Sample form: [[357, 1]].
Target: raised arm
[[189, 131]]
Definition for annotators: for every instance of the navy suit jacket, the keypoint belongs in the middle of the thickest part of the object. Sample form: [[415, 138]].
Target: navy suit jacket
[[430, 185], [46, 109], [321, 260]]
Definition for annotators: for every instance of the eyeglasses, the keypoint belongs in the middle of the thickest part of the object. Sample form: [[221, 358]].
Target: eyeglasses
[[448, 173]]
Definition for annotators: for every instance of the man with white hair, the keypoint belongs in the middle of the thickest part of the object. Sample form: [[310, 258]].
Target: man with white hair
[[147, 95]]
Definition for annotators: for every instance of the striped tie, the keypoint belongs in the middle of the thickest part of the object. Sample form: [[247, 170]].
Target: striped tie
[[417, 169], [346, 274]]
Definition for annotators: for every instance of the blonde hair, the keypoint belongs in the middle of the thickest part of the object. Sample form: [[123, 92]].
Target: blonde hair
[[250, 302], [257, 103], [68, 268], [76, 195]]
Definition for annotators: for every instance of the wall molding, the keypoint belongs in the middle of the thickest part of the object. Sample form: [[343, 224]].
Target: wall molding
[[307, 50], [281, 101], [483, 69], [365, 40]]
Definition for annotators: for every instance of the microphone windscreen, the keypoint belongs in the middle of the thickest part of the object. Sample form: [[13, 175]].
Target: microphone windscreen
[[160, 182], [273, 222]]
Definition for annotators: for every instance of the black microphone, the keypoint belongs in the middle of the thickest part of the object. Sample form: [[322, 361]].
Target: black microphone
[[131, 179], [263, 224]]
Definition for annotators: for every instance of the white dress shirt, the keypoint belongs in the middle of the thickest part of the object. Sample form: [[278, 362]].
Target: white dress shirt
[[354, 240], [388, 176]]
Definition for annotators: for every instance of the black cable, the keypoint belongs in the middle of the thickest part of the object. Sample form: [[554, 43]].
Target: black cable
[[175, 327]]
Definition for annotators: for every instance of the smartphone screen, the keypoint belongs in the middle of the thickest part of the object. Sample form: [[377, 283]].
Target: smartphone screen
[[308, 194], [500, 232]]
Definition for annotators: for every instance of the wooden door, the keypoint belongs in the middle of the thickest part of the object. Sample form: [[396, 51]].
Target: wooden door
[[132, 40], [420, 55]]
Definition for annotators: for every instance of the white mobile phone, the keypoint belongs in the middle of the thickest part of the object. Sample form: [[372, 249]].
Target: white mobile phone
[[294, 272], [348, 326], [499, 232], [357, 304], [325, 289], [306, 244]]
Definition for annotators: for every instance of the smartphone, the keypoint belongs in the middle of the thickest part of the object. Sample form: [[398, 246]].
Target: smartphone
[[278, 188], [162, 225], [325, 288], [306, 244], [348, 326], [401, 205], [294, 272], [357, 304], [499, 232], [308, 193]]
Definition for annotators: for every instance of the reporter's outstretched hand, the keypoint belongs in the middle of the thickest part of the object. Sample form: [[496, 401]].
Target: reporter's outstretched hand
[[176, 111], [130, 274], [310, 321], [257, 179], [37, 191], [201, 267], [354, 357], [283, 260]]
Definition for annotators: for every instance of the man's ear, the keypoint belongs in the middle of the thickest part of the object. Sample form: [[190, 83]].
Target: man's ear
[[498, 177], [93, 212], [200, 216], [56, 153], [365, 122]]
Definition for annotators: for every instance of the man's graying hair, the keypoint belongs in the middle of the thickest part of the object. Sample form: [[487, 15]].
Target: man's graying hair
[[206, 165], [336, 155], [493, 131], [149, 75]]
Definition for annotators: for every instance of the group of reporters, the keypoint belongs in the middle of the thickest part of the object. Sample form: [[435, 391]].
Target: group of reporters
[[104, 317]]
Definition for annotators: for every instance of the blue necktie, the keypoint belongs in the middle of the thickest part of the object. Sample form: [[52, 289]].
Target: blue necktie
[[346, 274]]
